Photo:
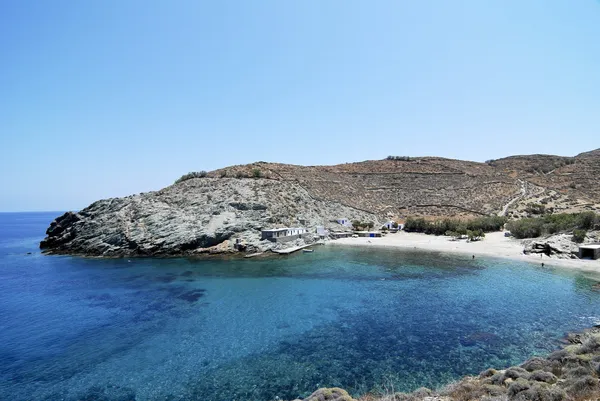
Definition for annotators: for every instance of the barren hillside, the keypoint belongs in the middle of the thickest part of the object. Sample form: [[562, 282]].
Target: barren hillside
[[432, 186]]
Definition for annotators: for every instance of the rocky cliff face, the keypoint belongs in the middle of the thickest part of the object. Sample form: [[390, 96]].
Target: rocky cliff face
[[211, 213], [195, 216]]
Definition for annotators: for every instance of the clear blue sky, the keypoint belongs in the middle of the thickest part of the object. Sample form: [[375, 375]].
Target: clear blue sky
[[113, 97]]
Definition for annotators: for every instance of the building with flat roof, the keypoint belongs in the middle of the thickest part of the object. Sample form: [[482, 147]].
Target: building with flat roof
[[589, 251], [284, 234]]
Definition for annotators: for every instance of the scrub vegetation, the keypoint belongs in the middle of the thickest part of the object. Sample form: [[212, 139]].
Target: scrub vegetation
[[476, 227], [189, 176], [362, 225], [534, 227]]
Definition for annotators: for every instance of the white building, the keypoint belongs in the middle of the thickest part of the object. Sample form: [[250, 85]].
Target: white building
[[344, 222], [390, 225], [282, 234]]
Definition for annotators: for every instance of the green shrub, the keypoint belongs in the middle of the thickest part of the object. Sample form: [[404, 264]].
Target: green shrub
[[550, 228], [541, 392], [517, 387], [526, 228], [582, 388], [516, 372], [536, 363], [589, 345], [535, 208], [587, 220], [475, 234], [579, 235], [577, 372], [543, 376], [459, 227], [357, 225], [487, 373], [552, 223], [256, 173], [189, 176], [415, 224]]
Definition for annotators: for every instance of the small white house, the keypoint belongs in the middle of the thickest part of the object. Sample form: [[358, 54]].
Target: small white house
[[274, 233], [296, 231], [285, 233], [390, 225], [321, 231], [344, 222]]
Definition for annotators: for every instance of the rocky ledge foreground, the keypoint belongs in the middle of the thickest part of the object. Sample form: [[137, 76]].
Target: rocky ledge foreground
[[196, 216], [570, 374]]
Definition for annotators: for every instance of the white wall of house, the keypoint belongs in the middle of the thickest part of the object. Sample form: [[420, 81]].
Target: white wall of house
[[344, 222]]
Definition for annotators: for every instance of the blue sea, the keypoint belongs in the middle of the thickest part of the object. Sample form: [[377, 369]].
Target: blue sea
[[75, 328]]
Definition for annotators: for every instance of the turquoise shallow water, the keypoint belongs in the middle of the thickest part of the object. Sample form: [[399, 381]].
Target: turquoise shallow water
[[216, 330]]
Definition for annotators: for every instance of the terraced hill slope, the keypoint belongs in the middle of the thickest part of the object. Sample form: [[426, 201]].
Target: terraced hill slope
[[431, 186]]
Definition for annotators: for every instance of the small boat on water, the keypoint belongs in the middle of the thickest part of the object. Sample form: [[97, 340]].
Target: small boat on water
[[308, 250]]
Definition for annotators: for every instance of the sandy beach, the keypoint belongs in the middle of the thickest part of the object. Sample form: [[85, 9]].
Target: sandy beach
[[494, 245]]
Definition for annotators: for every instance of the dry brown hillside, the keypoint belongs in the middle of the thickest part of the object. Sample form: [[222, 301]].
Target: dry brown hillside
[[432, 186], [563, 183]]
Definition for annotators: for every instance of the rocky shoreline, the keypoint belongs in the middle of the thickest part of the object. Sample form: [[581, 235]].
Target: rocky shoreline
[[569, 374], [195, 217]]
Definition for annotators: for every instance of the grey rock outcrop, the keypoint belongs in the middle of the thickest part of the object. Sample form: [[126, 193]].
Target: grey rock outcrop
[[200, 215], [559, 245]]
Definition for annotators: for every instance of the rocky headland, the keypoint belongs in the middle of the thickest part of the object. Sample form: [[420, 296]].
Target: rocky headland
[[196, 216], [223, 211]]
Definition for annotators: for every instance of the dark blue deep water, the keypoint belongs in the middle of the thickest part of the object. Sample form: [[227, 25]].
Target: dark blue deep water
[[222, 330]]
